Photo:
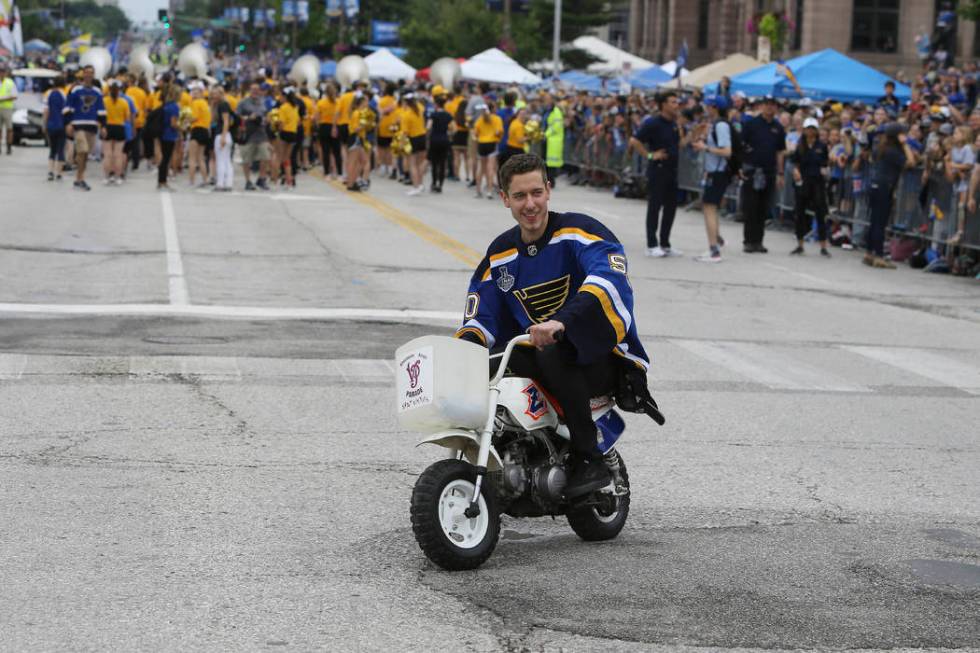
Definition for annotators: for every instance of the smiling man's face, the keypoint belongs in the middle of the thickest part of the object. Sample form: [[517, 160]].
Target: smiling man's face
[[527, 198]]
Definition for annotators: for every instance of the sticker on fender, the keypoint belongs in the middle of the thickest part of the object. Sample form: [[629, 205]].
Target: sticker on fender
[[415, 380]]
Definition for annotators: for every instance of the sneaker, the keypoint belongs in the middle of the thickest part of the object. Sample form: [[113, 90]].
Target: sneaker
[[588, 476], [262, 184], [118, 181], [797, 252], [490, 195], [414, 191], [761, 249], [824, 252], [167, 188], [108, 181], [478, 195], [80, 185], [57, 178], [354, 188], [721, 241], [879, 262], [670, 251], [656, 252], [709, 257], [249, 186], [471, 183], [50, 176]]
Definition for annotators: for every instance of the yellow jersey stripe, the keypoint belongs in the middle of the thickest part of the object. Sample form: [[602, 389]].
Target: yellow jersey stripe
[[497, 257], [486, 276], [576, 231], [607, 308]]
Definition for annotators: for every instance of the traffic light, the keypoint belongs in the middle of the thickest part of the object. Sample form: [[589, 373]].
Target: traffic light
[[170, 43], [162, 16], [241, 47]]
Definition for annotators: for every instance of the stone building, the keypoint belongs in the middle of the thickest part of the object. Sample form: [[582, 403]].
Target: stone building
[[881, 33]]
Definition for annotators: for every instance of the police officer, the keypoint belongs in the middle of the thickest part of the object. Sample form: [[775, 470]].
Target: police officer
[[764, 141], [659, 140]]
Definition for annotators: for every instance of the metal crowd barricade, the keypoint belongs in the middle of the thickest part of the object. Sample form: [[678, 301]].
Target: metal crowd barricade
[[690, 170]]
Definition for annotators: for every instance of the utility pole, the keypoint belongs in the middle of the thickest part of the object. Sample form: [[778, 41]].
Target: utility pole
[[556, 61]]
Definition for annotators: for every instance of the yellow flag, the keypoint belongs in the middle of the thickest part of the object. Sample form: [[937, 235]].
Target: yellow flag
[[79, 43]]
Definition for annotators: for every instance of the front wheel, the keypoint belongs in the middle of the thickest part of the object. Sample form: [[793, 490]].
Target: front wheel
[[604, 516], [448, 538]]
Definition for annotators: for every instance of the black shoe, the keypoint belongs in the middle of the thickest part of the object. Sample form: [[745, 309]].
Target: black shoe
[[750, 249], [393, 175], [824, 252], [590, 475], [354, 188], [262, 185], [249, 185], [471, 183], [761, 249], [797, 251], [50, 176]]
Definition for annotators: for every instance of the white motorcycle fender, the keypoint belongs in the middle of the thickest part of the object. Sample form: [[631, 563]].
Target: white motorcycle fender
[[468, 443]]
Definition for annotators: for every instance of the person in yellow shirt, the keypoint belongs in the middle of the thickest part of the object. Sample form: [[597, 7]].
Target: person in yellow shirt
[[488, 129], [139, 97], [459, 135], [387, 127], [200, 135], [289, 121], [309, 107], [325, 116], [414, 125], [114, 132], [516, 138], [342, 120], [358, 144]]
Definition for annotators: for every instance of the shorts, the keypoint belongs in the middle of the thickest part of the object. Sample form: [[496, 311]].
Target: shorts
[[84, 140], [418, 144], [252, 152], [115, 133], [715, 187], [343, 133], [288, 137], [384, 141], [201, 135], [7, 119], [354, 142], [486, 149], [459, 138]]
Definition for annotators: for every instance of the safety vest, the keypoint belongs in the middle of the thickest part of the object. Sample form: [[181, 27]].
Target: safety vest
[[555, 137], [7, 87]]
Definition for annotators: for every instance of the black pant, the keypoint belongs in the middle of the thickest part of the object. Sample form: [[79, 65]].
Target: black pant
[[661, 195], [167, 149], [330, 147], [553, 175], [812, 196], [755, 208], [438, 151], [881, 210], [149, 143], [571, 385], [56, 145], [135, 147]]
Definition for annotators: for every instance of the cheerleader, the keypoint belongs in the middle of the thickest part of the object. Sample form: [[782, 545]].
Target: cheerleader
[[358, 145], [289, 121], [414, 126]]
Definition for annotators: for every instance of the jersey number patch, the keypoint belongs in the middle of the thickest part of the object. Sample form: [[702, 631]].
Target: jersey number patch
[[617, 263], [472, 305]]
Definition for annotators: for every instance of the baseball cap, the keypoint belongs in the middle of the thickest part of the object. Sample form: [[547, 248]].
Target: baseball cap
[[438, 90], [811, 122], [717, 101], [946, 129]]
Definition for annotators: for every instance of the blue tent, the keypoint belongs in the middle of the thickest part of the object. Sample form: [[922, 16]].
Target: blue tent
[[823, 75], [585, 82], [649, 78]]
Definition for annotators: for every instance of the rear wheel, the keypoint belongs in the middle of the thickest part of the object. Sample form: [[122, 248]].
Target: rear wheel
[[448, 538], [604, 516]]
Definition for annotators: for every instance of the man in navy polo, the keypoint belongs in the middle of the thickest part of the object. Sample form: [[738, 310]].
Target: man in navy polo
[[764, 141], [659, 140]]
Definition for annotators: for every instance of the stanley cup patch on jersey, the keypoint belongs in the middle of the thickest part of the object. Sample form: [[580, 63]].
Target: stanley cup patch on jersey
[[543, 300]]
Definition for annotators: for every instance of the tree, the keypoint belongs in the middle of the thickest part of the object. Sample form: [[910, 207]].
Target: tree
[[448, 28]]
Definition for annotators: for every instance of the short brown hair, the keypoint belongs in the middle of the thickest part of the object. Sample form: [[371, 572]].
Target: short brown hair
[[520, 164]]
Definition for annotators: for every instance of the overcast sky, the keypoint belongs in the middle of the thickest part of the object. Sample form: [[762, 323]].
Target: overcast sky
[[142, 10]]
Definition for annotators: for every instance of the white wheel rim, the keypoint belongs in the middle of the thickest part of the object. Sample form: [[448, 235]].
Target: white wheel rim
[[463, 532], [604, 518]]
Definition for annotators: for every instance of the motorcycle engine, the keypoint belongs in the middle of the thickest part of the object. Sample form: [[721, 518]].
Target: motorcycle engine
[[549, 482]]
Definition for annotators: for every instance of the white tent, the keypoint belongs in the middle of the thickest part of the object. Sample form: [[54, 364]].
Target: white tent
[[382, 64], [671, 66], [710, 73], [494, 66], [611, 58]]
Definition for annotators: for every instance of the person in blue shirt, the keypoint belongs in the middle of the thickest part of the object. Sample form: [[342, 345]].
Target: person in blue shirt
[[84, 113], [659, 139], [170, 135], [764, 141], [54, 127], [717, 149], [562, 278], [810, 157]]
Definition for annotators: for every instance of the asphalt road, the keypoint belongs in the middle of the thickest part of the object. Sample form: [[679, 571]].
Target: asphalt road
[[198, 449]]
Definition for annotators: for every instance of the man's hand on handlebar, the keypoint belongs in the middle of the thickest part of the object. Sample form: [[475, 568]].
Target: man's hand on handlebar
[[546, 333]]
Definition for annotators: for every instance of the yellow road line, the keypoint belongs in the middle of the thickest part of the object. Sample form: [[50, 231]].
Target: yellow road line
[[429, 234]]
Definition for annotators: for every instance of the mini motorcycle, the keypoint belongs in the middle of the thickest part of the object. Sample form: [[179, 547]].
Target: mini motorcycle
[[510, 452]]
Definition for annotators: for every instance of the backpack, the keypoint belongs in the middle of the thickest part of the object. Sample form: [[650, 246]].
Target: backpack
[[738, 150]]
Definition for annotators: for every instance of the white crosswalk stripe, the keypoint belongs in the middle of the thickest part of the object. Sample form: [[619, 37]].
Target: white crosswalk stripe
[[772, 366], [925, 363]]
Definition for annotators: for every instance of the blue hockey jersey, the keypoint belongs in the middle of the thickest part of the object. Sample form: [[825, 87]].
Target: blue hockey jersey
[[575, 273], [85, 106]]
